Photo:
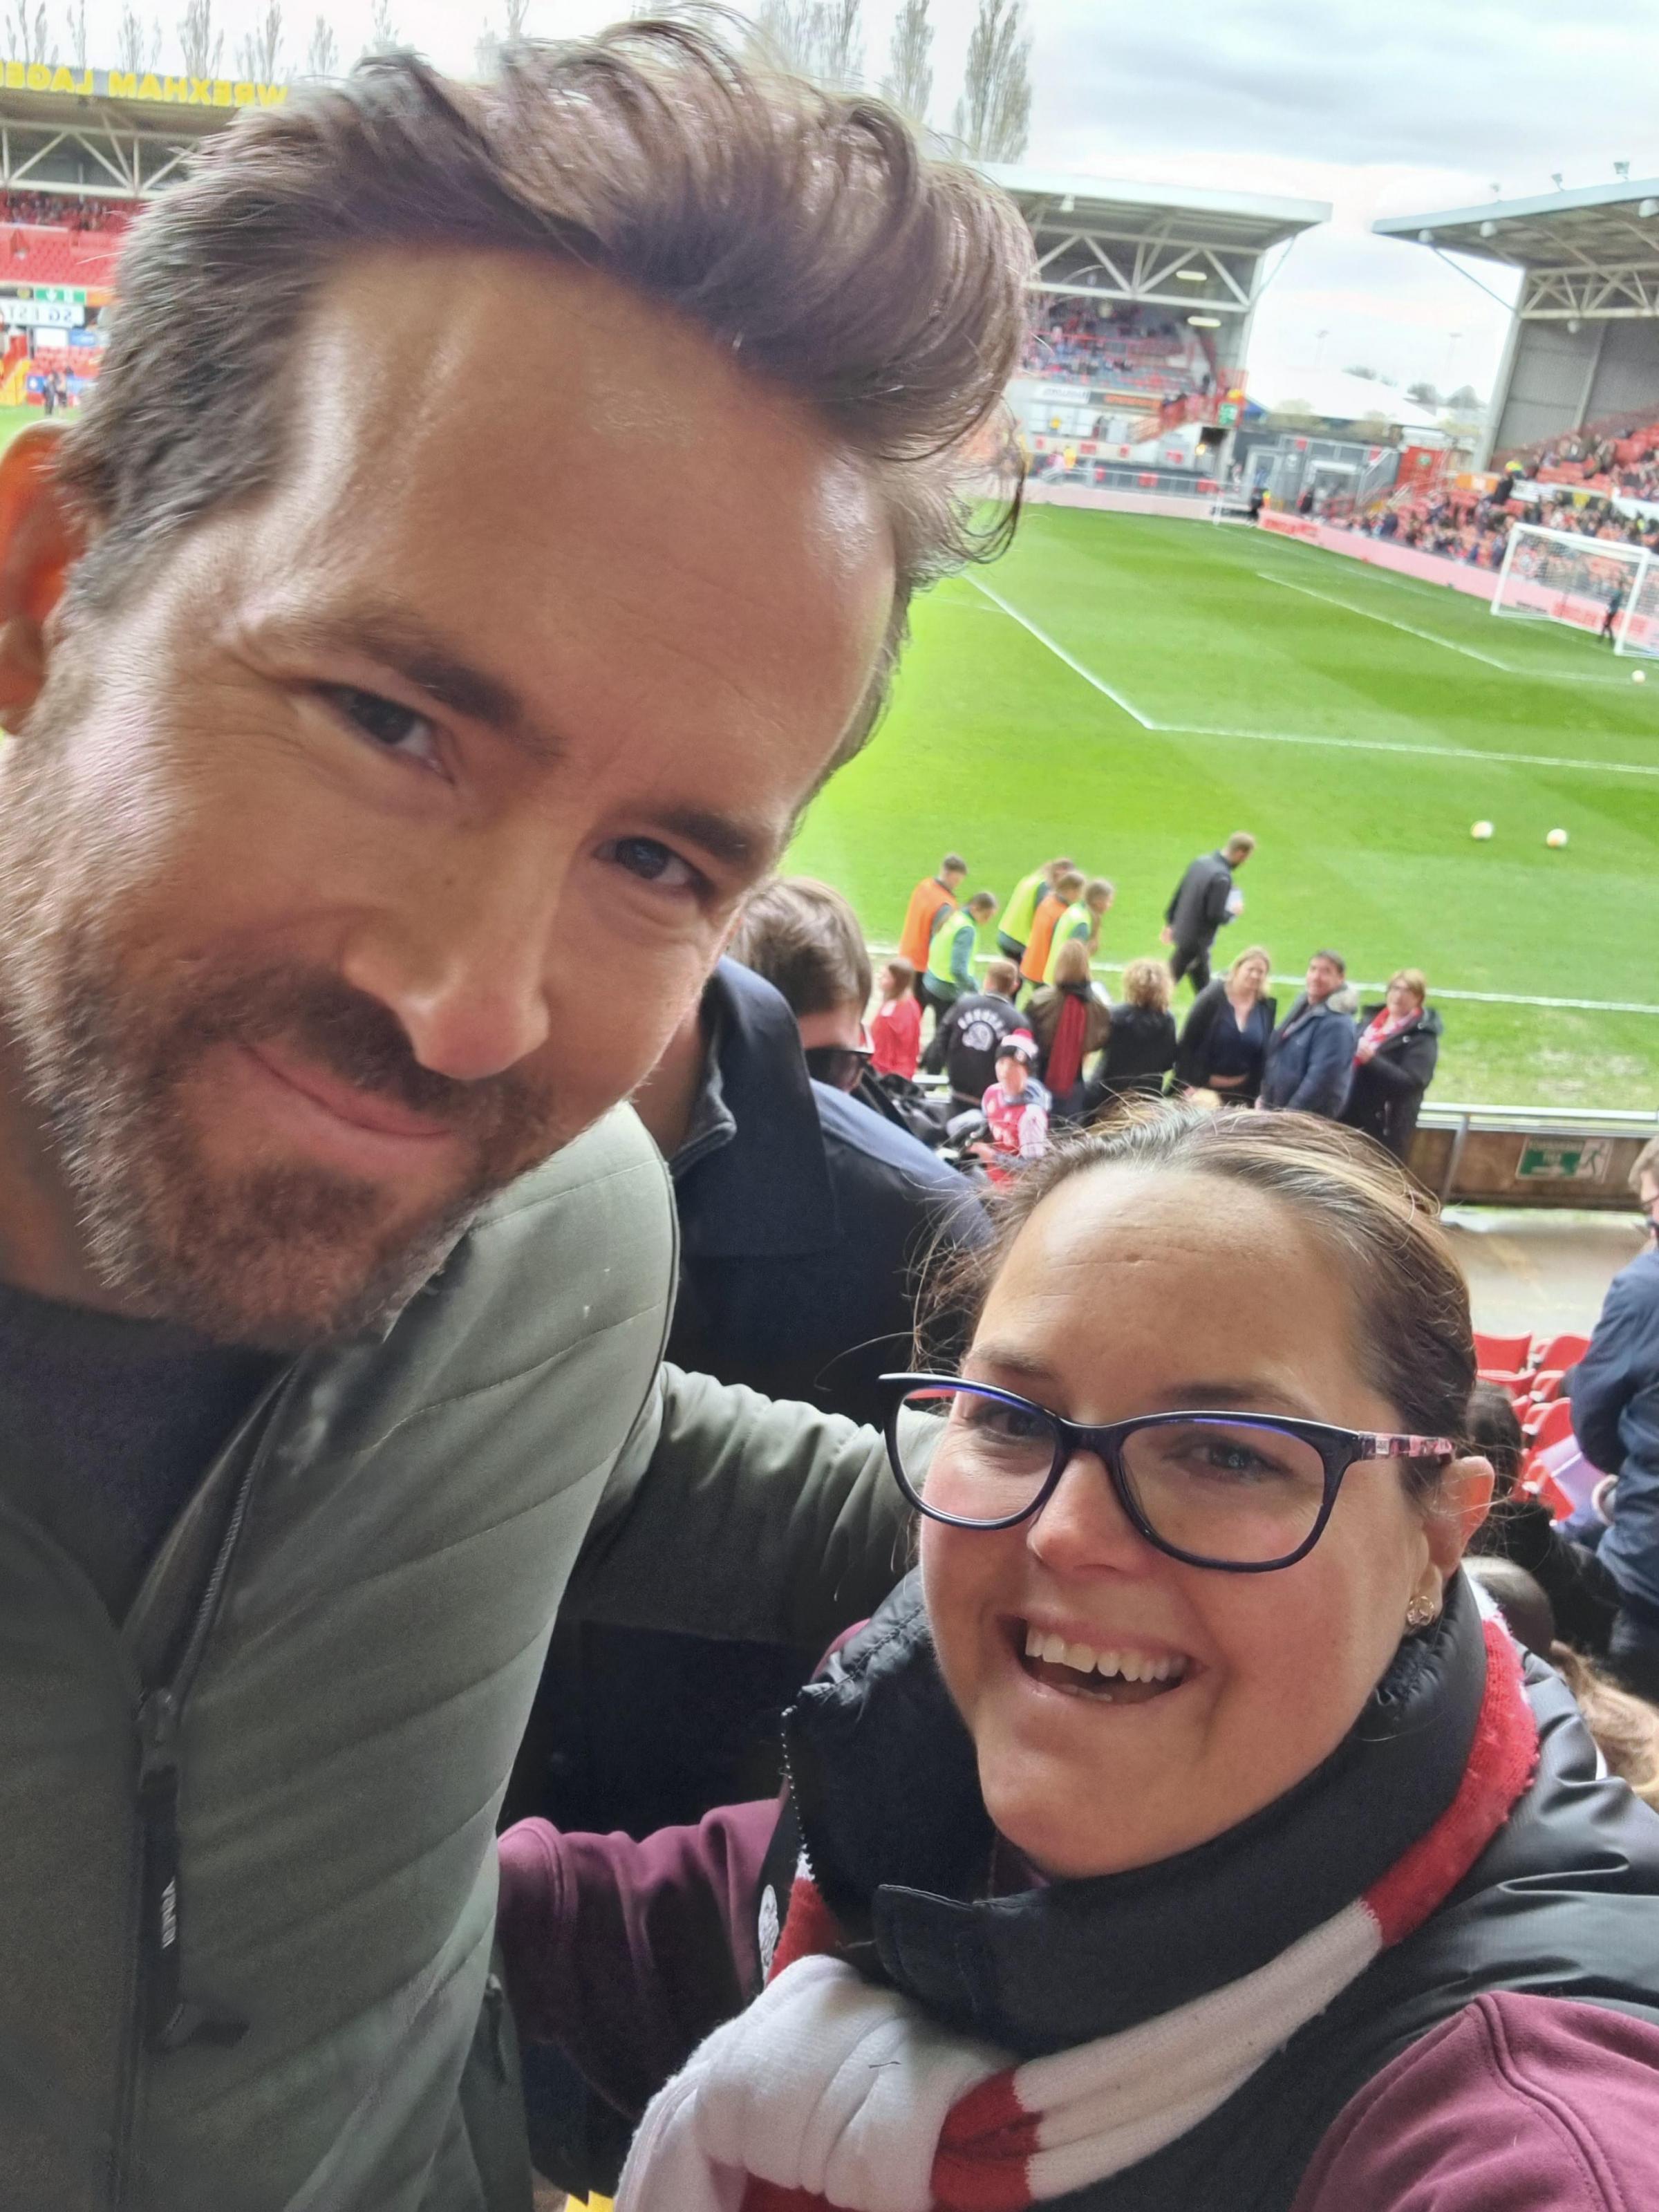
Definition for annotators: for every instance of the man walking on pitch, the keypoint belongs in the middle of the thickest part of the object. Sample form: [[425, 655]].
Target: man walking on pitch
[[934, 898], [1206, 900], [1081, 921], [1020, 912], [949, 970], [347, 743]]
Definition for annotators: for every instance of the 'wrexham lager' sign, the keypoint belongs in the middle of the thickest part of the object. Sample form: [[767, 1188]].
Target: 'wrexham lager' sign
[[135, 84]]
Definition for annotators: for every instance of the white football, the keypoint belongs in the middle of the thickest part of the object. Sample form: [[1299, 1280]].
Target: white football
[[1480, 829], [1638, 676], [1555, 839]]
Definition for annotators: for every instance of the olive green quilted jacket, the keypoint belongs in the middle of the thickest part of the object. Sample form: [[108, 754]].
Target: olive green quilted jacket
[[247, 1873]]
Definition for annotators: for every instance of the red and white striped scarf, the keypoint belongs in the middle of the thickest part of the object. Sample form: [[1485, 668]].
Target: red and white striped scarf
[[832, 2093]]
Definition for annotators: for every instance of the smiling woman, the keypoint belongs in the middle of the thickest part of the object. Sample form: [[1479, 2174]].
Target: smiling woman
[[1165, 1829]]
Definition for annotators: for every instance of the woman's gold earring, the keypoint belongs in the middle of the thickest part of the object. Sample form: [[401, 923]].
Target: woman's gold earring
[[1421, 1611]]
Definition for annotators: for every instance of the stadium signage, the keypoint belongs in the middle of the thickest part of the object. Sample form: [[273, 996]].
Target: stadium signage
[[42, 314], [133, 84], [1579, 1159]]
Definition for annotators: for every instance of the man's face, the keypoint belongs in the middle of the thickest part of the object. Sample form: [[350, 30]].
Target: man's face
[[318, 848], [1323, 977], [1648, 1198]]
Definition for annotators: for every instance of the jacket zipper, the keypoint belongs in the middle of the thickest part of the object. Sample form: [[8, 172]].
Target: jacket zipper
[[163, 2018]]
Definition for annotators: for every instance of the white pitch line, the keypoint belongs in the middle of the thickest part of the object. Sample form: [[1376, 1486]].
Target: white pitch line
[[1421, 587], [1401, 745], [1328, 745], [1408, 629], [1060, 653], [1482, 997]]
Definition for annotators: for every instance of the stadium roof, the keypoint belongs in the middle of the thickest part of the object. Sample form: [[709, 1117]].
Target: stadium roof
[[1591, 255], [1594, 227], [1247, 222]]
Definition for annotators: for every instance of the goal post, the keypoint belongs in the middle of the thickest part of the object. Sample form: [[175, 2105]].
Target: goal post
[[1638, 625], [1557, 575]]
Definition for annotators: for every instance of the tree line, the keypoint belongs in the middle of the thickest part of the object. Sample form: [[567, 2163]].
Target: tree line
[[824, 39], [992, 120]]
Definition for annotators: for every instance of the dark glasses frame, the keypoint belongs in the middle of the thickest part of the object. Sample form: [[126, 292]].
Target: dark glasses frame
[[1339, 1449]]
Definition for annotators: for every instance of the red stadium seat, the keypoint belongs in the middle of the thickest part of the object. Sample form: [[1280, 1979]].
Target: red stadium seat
[[1563, 1351], [1508, 1355], [1549, 1425]]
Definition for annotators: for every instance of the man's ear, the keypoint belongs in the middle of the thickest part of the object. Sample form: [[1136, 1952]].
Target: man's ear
[[40, 539]]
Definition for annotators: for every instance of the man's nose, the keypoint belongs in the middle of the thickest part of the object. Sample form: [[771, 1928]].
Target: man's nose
[[463, 959]]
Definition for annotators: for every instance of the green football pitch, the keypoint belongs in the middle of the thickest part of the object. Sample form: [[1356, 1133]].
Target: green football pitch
[[1130, 690]]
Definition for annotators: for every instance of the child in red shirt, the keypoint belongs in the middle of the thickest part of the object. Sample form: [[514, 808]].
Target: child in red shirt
[[896, 1032]]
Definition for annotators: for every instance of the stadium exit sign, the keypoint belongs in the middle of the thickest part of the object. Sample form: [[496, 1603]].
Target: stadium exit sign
[[1573, 1159]]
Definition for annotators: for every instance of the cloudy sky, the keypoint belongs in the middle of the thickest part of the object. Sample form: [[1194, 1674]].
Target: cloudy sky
[[1413, 107]]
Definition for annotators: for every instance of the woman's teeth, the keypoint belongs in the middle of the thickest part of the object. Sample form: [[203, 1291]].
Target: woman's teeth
[[1083, 1659]]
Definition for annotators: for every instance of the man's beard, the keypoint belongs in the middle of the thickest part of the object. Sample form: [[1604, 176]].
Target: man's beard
[[277, 1254]]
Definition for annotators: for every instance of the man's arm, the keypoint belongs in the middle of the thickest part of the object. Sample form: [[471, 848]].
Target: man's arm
[[733, 1515], [1607, 1377], [1217, 892], [1324, 1087], [962, 959]]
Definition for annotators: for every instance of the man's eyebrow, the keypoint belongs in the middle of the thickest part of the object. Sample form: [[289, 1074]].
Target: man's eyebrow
[[737, 844], [428, 661]]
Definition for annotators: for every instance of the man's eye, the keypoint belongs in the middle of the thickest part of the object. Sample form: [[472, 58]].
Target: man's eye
[[654, 863], [395, 728]]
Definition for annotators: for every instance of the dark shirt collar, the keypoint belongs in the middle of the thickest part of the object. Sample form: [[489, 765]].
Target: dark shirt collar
[[752, 1179]]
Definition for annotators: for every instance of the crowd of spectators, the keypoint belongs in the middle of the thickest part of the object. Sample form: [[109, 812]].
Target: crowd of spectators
[[1625, 463], [1474, 527], [1126, 347], [64, 210]]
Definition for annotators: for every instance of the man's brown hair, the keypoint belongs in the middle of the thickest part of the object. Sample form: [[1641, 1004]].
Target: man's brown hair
[[805, 230], [804, 938]]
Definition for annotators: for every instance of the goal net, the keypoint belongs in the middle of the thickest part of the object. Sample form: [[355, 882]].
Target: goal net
[[1556, 575]]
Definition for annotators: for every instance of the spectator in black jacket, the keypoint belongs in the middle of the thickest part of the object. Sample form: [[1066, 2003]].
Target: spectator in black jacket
[[1614, 1390], [1309, 1062], [1140, 1048], [1223, 1039], [1393, 1063], [1583, 1595], [1205, 899], [963, 1047]]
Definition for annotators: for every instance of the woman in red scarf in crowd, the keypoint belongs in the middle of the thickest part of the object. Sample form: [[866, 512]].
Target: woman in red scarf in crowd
[[1393, 1063], [1179, 1837], [1071, 1022]]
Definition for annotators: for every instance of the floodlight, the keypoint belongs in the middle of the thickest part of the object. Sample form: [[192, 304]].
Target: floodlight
[[1205, 322], [1068, 205], [1194, 276], [1647, 208], [1489, 230]]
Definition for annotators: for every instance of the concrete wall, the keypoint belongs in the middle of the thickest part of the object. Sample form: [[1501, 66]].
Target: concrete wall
[[1550, 380], [1627, 373], [1560, 379]]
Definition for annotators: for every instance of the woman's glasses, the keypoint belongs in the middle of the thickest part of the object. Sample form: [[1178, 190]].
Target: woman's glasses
[[1242, 1492]]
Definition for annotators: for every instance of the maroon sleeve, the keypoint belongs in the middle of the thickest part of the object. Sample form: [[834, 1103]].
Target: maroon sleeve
[[1516, 2103], [626, 1954]]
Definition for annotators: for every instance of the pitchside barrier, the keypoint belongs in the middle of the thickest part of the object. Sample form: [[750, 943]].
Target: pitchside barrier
[[1529, 1156]]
